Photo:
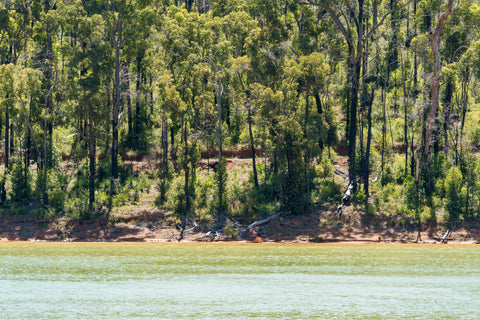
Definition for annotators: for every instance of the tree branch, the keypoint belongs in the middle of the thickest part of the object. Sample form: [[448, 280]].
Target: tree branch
[[332, 14]]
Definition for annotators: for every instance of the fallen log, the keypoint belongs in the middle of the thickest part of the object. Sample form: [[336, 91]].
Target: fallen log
[[211, 235], [445, 236], [348, 194], [263, 221]]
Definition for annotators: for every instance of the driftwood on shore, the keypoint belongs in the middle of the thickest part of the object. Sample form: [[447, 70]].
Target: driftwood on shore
[[213, 235], [445, 236], [346, 198], [263, 221]]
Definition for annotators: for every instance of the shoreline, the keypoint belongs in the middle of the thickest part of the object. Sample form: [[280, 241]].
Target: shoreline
[[265, 241], [154, 228]]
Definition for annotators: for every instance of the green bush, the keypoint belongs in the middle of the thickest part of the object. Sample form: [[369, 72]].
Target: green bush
[[475, 135], [328, 191], [324, 169], [265, 209], [359, 197], [3, 191], [412, 198], [77, 207], [454, 194], [57, 199], [428, 216], [205, 191], [43, 213], [42, 185], [21, 184], [162, 187], [221, 176], [119, 199], [386, 176]]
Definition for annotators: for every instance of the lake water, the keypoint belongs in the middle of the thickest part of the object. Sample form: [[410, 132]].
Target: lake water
[[238, 281]]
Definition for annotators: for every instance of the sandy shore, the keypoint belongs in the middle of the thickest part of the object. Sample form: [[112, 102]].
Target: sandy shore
[[282, 230]]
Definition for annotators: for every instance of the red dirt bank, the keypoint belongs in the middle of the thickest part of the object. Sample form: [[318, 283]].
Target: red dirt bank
[[154, 226]]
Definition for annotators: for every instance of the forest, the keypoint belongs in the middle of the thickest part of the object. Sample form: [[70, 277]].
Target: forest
[[313, 95]]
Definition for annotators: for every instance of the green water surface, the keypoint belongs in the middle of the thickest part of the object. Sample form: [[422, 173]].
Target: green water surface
[[238, 281]]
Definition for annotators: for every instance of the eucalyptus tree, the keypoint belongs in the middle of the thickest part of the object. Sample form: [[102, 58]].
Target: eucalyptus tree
[[218, 49], [46, 30], [115, 19], [7, 98], [433, 109], [16, 28], [27, 89], [242, 80], [182, 68], [90, 74], [140, 18], [352, 20], [18, 21], [428, 126]]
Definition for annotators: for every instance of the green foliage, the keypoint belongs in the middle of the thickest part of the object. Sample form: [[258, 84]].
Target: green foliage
[[57, 199], [359, 197], [328, 190], [21, 183], [206, 186], [427, 216], [164, 184], [324, 169], [139, 139], [221, 176], [455, 194], [386, 176], [162, 187], [3, 191], [277, 66], [412, 196]]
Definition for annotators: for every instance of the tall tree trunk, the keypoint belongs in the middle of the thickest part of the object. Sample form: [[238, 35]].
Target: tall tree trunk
[[252, 147], [49, 102], [138, 95], [129, 105], [187, 172], [307, 152], [419, 159], [7, 136], [151, 95], [464, 109], [356, 61], [415, 63], [186, 169], [367, 152], [12, 139], [318, 103], [164, 148], [92, 160], [117, 41], [219, 110], [434, 102], [352, 132], [405, 119], [26, 156], [384, 125]]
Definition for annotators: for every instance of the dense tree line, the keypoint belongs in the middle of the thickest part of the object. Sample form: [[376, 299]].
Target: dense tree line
[[393, 83]]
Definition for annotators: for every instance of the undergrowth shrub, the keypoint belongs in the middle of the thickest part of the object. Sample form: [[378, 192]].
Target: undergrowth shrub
[[455, 194], [205, 196], [412, 197], [427, 216], [21, 183], [327, 190], [324, 169], [221, 176]]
